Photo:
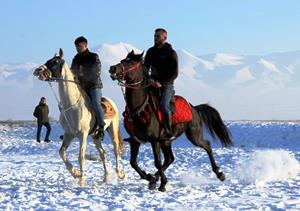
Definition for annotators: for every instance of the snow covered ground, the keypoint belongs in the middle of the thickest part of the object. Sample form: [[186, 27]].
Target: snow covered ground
[[262, 173]]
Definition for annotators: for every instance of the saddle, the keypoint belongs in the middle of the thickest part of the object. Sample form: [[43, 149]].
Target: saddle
[[108, 110], [181, 112]]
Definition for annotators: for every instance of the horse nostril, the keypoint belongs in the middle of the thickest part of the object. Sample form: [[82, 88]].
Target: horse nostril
[[36, 71]]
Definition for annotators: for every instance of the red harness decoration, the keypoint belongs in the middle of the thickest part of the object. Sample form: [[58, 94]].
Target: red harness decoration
[[141, 119], [183, 113]]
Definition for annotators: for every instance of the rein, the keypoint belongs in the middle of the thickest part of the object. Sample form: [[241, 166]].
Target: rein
[[63, 111], [123, 85], [60, 107], [62, 79]]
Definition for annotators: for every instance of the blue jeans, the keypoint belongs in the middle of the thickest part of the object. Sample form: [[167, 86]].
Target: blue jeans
[[39, 129], [96, 95], [166, 97]]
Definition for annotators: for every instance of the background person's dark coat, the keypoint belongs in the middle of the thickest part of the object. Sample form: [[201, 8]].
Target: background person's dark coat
[[41, 112]]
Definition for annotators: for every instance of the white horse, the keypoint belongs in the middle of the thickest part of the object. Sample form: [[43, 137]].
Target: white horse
[[78, 119]]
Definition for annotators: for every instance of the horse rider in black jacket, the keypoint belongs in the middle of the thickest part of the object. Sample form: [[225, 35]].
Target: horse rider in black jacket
[[87, 69], [162, 62]]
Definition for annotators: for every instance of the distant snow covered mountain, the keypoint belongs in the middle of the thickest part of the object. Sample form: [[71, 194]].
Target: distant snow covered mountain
[[239, 86]]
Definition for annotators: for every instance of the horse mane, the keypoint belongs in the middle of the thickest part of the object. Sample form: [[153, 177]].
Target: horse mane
[[135, 57]]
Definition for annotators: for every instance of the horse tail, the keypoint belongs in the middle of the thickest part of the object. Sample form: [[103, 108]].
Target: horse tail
[[121, 144], [213, 121]]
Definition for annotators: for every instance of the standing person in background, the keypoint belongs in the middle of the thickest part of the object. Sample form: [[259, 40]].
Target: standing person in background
[[162, 61], [87, 68], [41, 112]]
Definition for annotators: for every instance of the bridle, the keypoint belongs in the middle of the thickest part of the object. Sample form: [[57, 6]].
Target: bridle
[[124, 71], [48, 72], [134, 85]]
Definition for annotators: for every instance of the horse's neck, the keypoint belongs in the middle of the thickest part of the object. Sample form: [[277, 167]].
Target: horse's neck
[[68, 89], [135, 98]]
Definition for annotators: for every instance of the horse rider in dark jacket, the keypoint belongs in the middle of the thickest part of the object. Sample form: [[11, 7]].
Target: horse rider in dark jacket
[[41, 112], [162, 62], [87, 68]]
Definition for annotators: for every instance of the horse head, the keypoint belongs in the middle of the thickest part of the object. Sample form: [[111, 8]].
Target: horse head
[[127, 70], [51, 70]]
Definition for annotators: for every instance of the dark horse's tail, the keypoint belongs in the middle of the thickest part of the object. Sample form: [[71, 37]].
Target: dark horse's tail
[[214, 123]]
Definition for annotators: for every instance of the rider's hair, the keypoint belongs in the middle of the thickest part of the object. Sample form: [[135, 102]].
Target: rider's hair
[[80, 40], [161, 30]]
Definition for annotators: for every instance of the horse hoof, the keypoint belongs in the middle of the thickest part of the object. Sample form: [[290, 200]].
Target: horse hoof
[[81, 182], [162, 189], [121, 175], [76, 173], [221, 176], [152, 185]]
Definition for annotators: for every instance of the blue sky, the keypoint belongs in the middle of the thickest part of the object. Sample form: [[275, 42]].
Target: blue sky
[[32, 29]]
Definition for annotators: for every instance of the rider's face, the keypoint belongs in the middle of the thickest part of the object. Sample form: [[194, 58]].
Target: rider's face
[[160, 38], [81, 47]]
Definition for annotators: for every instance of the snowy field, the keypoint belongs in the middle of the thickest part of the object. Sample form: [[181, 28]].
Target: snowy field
[[262, 173]]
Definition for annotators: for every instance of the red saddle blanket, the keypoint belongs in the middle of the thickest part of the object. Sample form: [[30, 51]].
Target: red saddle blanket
[[182, 113]]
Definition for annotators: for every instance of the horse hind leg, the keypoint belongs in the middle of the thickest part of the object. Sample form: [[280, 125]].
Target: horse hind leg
[[194, 134], [113, 130], [103, 157], [67, 138]]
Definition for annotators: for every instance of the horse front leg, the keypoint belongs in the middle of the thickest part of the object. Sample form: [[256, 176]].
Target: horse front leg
[[67, 138], [81, 158], [168, 158], [156, 146], [103, 157], [134, 151]]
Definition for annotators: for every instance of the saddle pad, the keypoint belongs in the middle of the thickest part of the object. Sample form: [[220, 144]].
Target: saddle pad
[[109, 111], [183, 112]]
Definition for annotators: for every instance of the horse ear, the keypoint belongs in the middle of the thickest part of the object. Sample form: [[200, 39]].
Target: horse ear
[[141, 55], [130, 54], [61, 53]]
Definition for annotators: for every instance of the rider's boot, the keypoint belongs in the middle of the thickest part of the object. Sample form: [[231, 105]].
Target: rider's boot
[[168, 125], [99, 133]]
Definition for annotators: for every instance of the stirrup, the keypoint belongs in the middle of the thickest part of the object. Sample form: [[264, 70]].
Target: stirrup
[[99, 134]]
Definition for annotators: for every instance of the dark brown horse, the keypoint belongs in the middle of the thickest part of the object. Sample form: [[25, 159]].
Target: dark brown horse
[[133, 75]]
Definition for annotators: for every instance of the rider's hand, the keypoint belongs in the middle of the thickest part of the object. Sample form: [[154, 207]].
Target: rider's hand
[[156, 84]]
